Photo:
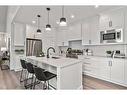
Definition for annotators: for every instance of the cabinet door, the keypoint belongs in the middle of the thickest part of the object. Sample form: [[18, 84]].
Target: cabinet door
[[125, 70], [104, 22], [94, 31], [86, 33], [74, 32], [62, 39], [125, 28], [105, 69], [19, 36], [117, 18], [30, 31], [117, 70]]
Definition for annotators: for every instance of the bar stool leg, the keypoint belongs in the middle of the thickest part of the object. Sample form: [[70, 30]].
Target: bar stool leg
[[34, 83], [21, 76]]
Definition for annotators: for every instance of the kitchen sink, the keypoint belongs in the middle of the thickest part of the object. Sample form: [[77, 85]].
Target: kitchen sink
[[54, 57]]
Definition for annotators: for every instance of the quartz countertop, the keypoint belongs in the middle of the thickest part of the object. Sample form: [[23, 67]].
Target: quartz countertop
[[97, 57], [61, 62]]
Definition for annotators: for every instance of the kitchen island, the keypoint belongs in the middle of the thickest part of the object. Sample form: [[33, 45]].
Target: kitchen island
[[68, 71]]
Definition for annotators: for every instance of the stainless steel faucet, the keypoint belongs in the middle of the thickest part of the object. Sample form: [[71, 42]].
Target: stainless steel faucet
[[48, 51]]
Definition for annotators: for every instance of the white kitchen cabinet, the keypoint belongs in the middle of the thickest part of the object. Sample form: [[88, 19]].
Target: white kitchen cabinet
[[62, 39], [125, 72], [109, 69], [90, 31], [94, 31], [125, 29], [31, 32], [86, 33], [112, 19], [117, 70], [74, 32], [91, 67], [105, 69], [19, 34]]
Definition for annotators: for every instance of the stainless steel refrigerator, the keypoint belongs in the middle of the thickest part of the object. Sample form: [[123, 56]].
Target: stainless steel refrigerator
[[33, 47]]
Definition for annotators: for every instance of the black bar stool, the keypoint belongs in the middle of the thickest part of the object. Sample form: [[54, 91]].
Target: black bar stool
[[23, 64], [30, 70], [44, 76]]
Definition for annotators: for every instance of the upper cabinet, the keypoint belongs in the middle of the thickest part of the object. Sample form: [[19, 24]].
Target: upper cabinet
[[62, 38], [112, 19], [19, 34], [74, 32], [31, 32], [90, 31]]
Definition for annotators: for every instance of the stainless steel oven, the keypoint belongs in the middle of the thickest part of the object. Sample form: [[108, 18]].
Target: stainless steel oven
[[111, 36]]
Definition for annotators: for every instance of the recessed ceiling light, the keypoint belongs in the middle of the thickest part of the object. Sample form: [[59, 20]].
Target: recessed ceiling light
[[33, 21], [72, 16], [96, 6]]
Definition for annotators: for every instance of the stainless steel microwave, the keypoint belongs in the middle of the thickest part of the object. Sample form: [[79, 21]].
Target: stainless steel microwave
[[111, 36]]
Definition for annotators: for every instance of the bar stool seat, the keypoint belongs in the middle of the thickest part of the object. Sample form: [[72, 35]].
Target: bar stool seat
[[23, 68], [49, 75], [42, 75]]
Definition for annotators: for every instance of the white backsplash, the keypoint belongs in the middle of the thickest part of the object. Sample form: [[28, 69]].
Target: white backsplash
[[100, 50]]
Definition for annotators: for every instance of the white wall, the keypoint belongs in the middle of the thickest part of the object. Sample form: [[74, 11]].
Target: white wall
[[48, 37], [3, 18], [11, 13]]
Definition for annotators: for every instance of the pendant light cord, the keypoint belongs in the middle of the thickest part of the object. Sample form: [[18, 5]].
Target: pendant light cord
[[48, 9], [62, 11], [38, 20]]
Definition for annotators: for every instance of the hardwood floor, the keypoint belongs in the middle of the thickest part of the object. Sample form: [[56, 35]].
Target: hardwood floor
[[10, 80], [93, 83]]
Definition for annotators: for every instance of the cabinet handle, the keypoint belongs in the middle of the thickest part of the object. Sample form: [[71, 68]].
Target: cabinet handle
[[110, 23], [111, 63], [63, 43], [89, 41], [108, 63]]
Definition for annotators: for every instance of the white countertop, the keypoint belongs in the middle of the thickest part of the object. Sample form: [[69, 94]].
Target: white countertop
[[61, 62], [98, 57]]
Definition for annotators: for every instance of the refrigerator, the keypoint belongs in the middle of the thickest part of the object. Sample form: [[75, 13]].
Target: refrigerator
[[33, 47]]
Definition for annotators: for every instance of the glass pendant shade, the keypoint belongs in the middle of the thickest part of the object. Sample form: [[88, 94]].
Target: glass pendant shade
[[48, 27], [39, 30], [63, 21]]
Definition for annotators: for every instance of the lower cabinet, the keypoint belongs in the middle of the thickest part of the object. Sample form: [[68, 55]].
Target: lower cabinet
[[105, 69], [125, 72], [108, 69], [117, 70]]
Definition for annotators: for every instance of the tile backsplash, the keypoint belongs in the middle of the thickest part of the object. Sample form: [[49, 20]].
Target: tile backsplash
[[100, 50]]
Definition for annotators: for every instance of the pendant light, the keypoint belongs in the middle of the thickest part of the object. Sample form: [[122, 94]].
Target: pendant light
[[38, 30], [48, 26], [63, 19]]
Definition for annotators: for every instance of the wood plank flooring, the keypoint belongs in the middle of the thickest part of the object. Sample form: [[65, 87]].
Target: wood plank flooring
[[10, 80]]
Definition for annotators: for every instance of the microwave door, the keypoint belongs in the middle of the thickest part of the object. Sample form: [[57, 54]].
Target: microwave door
[[109, 37]]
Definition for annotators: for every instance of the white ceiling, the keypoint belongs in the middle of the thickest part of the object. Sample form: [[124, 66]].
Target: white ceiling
[[27, 14]]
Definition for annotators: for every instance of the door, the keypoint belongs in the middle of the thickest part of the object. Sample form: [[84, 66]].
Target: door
[[105, 69], [117, 18], [117, 70], [104, 22], [94, 31], [86, 33], [74, 32], [62, 38]]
